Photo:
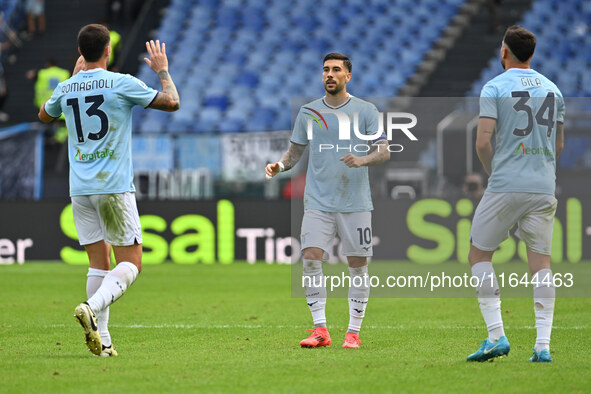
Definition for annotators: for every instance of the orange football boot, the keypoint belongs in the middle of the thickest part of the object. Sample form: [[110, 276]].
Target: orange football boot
[[351, 341], [319, 337]]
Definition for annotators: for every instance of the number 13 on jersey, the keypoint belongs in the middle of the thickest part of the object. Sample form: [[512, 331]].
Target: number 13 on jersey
[[94, 110]]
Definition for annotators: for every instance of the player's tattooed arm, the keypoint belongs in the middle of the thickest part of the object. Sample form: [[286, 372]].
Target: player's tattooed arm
[[168, 99], [292, 156], [484, 149], [559, 139], [379, 155]]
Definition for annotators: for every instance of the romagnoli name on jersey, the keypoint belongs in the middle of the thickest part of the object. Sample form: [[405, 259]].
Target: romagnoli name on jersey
[[89, 85]]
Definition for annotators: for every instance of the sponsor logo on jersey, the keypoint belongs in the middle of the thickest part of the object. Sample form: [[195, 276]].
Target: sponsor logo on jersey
[[523, 150], [106, 153]]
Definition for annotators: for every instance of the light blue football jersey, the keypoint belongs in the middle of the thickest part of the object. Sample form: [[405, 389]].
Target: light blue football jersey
[[331, 186], [527, 107], [97, 105]]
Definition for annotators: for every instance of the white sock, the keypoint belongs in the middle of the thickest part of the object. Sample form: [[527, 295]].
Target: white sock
[[544, 298], [113, 286], [358, 297], [315, 291], [93, 282], [489, 298]]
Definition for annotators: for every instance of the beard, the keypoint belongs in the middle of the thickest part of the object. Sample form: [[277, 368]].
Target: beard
[[336, 89]]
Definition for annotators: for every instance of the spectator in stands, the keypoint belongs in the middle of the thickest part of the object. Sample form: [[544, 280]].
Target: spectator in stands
[[35, 9], [47, 80], [473, 186]]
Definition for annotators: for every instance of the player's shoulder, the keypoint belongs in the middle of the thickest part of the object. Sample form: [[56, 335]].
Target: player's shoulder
[[360, 103], [314, 104], [548, 83], [496, 82], [120, 76], [129, 81]]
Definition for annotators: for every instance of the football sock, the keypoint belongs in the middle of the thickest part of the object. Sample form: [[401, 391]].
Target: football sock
[[489, 298], [93, 282], [544, 298], [358, 297], [114, 285], [315, 291]]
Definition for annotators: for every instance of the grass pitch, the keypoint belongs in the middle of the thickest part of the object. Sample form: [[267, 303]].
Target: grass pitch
[[236, 328]]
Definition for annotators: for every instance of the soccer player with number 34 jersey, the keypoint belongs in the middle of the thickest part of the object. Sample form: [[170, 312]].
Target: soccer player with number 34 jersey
[[525, 112], [97, 105]]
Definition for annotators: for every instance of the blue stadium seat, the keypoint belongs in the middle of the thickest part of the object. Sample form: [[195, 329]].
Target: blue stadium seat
[[246, 59], [248, 78], [153, 152], [563, 42], [220, 102], [232, 125], [199, 151]]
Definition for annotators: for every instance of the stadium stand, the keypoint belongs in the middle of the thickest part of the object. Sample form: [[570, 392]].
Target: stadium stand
[[13, 11], [563, 50], [563, 54], [238, 63]]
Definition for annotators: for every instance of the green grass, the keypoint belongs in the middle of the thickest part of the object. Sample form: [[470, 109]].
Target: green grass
[[236, 328]]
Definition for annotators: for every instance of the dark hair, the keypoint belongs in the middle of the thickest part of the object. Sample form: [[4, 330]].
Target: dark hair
[[92, 41], [520, 41], [339, 56]]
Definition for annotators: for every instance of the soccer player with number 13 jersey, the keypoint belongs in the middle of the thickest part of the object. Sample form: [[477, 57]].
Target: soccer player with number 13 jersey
[[97, 105]]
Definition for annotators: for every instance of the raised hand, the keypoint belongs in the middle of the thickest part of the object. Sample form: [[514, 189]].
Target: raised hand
[[157, 56]]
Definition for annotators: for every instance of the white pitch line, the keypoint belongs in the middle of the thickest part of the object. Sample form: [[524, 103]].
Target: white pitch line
[[260, 326]]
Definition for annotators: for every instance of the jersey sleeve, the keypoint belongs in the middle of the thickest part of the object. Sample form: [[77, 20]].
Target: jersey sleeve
[[137, 92], [53, 106], [560, 108], [488, 102], [299, 135], [372, 123]]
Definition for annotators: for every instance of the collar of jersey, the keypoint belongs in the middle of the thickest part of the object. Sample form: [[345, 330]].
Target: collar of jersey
[[340, 106], [521, 69], [92, 70]]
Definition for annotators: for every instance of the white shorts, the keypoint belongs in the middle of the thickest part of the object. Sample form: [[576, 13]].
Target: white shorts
[[110, 217], [35, 7], [497, 213], [353, 228]]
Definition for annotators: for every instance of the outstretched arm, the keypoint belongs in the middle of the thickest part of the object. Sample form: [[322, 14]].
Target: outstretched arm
[[288, 161], [168, 99]]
